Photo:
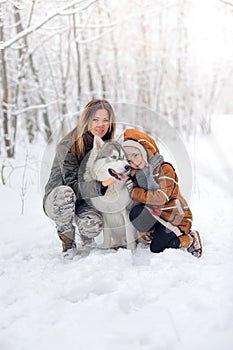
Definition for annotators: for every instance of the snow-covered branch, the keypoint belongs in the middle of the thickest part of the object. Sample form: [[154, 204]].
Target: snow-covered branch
[[31, 108], [35, 27], [227, 2], [16, 4]]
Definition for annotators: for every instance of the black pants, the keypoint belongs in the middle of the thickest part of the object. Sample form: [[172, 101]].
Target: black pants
[[143, 221]]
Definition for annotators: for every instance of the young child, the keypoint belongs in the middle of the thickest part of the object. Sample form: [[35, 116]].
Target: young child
[[160, 213]]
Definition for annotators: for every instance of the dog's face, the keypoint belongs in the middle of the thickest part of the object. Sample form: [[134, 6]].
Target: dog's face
[[110, 160]]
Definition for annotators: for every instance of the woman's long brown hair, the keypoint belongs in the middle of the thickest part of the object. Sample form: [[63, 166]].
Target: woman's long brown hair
[[78, 145]]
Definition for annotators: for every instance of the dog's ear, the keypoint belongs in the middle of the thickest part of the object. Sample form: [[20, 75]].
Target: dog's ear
[[120, 139], [97, 143]]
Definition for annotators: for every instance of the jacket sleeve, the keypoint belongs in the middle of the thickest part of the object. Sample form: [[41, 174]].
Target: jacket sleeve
[[167, 182], [72, 177]]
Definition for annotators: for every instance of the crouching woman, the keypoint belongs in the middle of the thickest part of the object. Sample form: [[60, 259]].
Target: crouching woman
[[161, 214], [63, 202]]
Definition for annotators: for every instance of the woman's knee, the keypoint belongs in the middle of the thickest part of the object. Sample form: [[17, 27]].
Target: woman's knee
[[60, 204], [89, 221]]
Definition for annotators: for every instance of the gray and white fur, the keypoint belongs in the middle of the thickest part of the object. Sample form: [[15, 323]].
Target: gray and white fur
[[108, 159]]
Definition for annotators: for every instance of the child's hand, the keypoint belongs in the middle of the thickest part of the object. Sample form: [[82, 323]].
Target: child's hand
[[130, 185]]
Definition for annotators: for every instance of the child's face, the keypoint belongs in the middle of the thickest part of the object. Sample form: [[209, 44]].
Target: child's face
[[136, 160]]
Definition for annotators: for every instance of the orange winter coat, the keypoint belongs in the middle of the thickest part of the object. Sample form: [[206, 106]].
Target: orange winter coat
[[172, 207]]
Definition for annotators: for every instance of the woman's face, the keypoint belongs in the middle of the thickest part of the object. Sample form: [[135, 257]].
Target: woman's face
[[99, 123], [136, 160]]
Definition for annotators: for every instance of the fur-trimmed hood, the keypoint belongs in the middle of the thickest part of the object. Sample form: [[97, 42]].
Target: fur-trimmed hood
[[146, 141]]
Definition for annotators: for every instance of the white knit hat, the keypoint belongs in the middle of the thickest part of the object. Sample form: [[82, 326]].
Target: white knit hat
[[130, 146]]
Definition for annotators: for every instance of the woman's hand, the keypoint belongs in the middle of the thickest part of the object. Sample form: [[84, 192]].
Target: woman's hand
[[108, 182]]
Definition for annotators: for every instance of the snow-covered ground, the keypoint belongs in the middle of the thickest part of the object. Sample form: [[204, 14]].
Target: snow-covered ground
[[119, 300]]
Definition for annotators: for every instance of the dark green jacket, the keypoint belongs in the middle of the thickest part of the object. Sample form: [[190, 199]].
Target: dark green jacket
[[66, 171]]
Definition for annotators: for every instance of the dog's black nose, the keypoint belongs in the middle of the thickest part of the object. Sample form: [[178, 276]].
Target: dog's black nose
[[127, 167]]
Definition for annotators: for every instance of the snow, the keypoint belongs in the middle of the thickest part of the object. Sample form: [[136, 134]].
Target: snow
[[119, 300]]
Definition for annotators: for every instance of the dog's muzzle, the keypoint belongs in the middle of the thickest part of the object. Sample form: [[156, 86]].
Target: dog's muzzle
[[120, 176]]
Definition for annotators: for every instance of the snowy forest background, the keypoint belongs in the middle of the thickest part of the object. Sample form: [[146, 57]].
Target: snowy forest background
[[166, 66], [173, 57]]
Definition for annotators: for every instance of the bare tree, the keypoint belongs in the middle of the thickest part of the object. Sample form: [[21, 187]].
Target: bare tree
[[54, 58], [5, 94], [78, 59]]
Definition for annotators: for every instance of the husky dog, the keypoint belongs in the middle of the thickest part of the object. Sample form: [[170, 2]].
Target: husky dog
[[108, 159]]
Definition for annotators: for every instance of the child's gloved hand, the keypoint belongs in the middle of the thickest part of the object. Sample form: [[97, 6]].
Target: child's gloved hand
[[130, 185]]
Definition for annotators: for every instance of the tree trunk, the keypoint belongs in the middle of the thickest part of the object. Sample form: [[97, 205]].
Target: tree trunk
[[45, 114], [22, 78], [79, 86], [5, 98]]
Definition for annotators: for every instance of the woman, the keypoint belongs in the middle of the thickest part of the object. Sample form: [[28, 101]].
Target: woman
[[163, 216], [63, 201]]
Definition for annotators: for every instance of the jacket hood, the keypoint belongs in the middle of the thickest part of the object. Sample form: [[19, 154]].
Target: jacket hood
[[145, 140]]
